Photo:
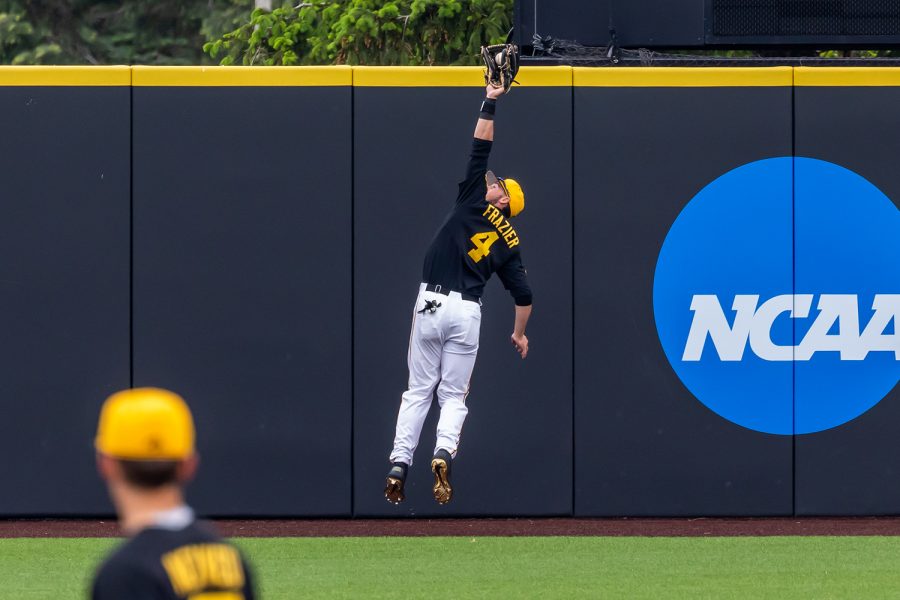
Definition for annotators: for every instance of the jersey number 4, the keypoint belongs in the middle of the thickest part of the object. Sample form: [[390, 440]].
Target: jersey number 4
[[482, 243]]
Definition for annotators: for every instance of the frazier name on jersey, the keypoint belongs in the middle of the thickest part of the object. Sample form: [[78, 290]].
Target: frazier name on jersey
[[506, 231]]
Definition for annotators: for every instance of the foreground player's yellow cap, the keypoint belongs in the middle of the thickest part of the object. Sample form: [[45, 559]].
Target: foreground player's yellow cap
[[516, 196], [145, 424]]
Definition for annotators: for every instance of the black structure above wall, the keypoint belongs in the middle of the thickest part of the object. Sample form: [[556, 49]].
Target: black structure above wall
[[712, 23]]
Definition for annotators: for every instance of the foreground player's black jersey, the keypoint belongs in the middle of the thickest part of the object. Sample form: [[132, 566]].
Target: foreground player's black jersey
[[166, 564], [476, 240]]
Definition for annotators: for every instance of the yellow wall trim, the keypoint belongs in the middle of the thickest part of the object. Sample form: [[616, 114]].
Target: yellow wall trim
[[847, 76], [683, 76], [241, 76], [39, 76], [560, 76], [544, 76], [455, 76], [418, 76], [342, 75]]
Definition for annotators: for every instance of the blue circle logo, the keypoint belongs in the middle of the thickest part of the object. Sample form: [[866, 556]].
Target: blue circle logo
[[777, 295]]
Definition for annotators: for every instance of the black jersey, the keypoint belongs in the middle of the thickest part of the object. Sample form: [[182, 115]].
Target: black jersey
[[476, 240], [173, 564]]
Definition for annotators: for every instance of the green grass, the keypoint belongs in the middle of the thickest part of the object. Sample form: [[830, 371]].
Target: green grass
[[547, 567]]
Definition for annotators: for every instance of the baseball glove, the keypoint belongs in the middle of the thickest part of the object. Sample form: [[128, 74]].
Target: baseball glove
[[502, 62]]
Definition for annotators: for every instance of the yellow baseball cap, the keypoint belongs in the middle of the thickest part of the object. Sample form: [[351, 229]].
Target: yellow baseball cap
[[511, 189], [516, 196], [145, 424]]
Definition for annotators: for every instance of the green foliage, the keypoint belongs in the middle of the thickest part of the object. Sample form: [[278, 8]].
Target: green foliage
[[114, 32], [20, 43], [396, 32]]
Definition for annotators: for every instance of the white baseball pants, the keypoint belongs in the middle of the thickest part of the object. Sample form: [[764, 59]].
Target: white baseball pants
[[443, 345]]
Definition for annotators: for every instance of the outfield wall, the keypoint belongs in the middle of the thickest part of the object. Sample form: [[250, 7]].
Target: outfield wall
[[64, 280], [253, 237], [646, 446], [242, 276]]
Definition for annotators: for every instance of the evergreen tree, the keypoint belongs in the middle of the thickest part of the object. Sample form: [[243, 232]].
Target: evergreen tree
[[124, 32]]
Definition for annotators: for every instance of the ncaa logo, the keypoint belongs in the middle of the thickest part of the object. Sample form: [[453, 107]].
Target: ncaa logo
[[777, 295]]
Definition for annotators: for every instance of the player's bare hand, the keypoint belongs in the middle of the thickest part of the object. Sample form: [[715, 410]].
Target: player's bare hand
[[521, 344], [494, 92]]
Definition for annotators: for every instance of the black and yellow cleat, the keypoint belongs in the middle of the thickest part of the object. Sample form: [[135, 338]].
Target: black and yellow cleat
[[396, 477], [440, 466]]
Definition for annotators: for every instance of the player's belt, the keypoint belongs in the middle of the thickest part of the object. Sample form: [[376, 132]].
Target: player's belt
[[437, 289]]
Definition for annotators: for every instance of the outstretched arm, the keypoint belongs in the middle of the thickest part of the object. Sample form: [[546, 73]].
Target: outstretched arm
[[484, 129], [472, 187]]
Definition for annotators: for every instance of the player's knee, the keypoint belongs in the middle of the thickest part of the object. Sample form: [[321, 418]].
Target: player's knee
[[418, 395], [449, 393]]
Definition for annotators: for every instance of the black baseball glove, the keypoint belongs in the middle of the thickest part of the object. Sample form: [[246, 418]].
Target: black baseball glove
[[502, 62]]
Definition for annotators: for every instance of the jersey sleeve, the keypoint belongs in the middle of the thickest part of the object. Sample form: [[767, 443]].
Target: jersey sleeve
[[473, 187], [515, 279], [115, 582]]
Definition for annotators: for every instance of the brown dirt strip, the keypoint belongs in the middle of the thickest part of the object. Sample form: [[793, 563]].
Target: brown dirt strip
[[710, 527]]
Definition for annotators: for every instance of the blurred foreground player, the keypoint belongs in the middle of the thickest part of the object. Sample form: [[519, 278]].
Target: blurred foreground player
[[145, 453]]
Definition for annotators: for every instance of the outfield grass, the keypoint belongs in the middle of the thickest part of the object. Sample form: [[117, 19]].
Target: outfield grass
[[491, 567]]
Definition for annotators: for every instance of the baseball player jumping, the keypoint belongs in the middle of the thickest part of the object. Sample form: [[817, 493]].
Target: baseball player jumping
[[476, 240]]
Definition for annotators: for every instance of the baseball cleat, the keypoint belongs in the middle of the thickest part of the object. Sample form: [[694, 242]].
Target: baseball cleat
[[393, 491], [440, 466]]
